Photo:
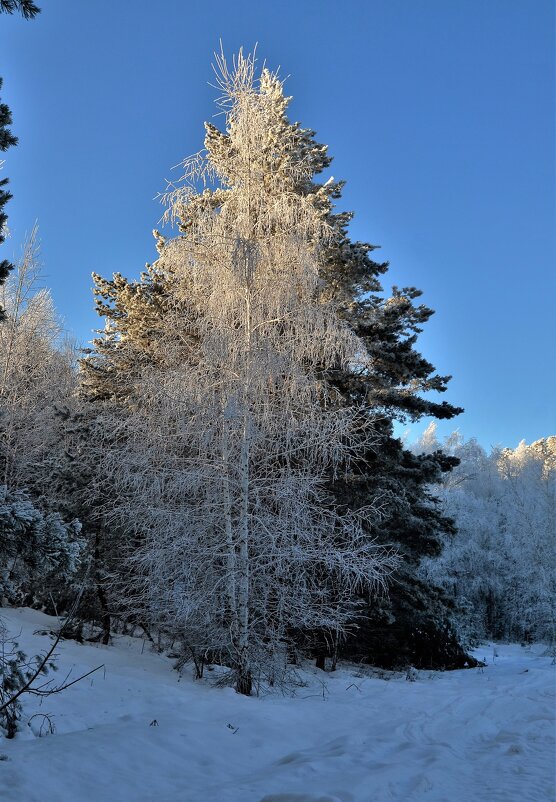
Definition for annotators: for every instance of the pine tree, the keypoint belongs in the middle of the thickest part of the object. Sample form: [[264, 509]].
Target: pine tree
[[133, 339], [26, 7], [134, 312], [7, 139], [413, 625]]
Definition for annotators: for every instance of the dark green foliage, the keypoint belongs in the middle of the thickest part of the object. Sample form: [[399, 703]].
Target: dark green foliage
[[39, 552], [411, 627], [414, 624], [16, 672], [26, 7], [79, 490], [7, 139], [133, 311]]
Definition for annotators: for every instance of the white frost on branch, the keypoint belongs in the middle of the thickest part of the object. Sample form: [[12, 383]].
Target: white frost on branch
[[236, 431]]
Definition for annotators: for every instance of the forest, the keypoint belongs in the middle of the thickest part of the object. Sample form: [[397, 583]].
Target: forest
[[220, 468], [221, 476]]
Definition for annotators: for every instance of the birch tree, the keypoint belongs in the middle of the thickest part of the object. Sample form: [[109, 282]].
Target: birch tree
[[40, 546], [236, 431], [500, 565], [37, 374]]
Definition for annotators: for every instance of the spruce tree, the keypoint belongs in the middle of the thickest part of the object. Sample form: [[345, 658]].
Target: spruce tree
[[39, 552]]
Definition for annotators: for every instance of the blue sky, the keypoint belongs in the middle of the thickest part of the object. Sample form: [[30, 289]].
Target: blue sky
[[439, 115]]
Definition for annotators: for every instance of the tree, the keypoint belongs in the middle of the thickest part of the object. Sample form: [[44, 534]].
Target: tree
[[16, 672], [529, 490], [394, 383], [22, 676], [236, 431], [391, 380], [7, 139], [38, 551], [414, 624], [26, 7], [500, 565], [40, 547], [37, 376]]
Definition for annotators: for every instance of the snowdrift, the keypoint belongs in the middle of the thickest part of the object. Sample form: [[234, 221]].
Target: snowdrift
[[135, 732]]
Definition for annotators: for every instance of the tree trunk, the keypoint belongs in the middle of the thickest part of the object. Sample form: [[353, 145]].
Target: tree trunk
[[104, 613], [320, 661], [230, 545], [244, 681]]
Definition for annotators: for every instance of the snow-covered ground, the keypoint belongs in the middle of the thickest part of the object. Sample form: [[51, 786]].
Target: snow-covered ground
[[481, 734]]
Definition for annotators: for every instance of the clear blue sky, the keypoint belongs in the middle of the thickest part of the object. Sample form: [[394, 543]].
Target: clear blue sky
[[440, 115]]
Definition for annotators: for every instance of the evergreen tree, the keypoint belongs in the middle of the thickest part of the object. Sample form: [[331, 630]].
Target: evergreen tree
[[7, 139], [52, 444], [81, 487], [133, 339], [414, 624], [26, 7], [134, 312], [39, 552]]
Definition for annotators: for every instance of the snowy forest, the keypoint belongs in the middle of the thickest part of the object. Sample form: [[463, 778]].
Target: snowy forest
[[222, 475]]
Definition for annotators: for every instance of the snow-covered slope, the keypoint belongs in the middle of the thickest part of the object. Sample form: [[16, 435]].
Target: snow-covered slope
[[481, 734]]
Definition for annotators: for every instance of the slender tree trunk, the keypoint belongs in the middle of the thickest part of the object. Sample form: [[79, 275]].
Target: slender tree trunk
[[245, 680], [244, 674], [230, 544], [320, 660], [105, 615], [103, 601]]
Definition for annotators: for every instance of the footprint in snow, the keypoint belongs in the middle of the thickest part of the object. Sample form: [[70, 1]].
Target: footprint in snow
[[341, 796]]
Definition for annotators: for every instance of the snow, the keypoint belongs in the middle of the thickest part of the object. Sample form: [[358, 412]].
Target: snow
[[346, 736]]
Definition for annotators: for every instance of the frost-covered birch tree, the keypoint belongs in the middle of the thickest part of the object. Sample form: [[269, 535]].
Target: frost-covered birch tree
[[37, 374], [236, 544], [500, 565], [39, 550]]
